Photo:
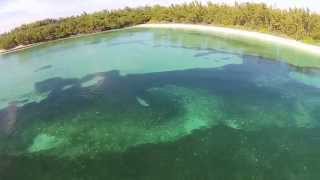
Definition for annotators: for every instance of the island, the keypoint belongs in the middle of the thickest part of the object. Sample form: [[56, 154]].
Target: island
[[299, 24]]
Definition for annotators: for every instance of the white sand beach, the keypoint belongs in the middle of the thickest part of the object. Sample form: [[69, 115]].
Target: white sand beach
[[230, 32], [17, 48]]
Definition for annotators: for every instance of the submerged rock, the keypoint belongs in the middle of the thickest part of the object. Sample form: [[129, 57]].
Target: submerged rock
[[142, 102], [95, 80], [67, 87], [44, 142]]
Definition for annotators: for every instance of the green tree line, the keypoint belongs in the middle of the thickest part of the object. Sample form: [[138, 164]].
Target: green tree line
[[300, 24]]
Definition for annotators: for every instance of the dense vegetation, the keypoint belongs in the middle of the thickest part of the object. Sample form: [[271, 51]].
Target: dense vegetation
[[300, 24]]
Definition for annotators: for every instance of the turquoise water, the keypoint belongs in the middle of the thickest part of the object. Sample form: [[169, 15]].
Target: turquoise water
[[159, 104]]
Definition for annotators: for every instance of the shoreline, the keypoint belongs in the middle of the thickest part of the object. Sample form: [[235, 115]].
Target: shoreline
[[221, 31], [24, 47], [233, 32]]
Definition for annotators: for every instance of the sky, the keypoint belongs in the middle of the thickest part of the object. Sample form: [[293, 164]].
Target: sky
[[16, 12]]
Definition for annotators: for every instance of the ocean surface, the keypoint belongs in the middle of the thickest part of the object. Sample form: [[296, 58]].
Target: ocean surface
[[159, 104]]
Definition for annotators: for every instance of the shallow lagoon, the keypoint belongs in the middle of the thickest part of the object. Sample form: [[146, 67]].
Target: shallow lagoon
[[159, 104]]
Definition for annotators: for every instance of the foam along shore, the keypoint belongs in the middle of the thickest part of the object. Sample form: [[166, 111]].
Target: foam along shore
[[230, 32]]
